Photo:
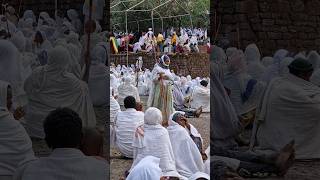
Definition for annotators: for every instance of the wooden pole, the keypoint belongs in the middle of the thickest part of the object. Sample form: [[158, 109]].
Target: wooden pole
[[87, 55]]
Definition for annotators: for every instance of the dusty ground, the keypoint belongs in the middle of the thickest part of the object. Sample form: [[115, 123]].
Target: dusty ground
[[119, 165]]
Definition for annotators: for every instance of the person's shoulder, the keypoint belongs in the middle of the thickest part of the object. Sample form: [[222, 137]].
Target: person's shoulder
[[91, 160]]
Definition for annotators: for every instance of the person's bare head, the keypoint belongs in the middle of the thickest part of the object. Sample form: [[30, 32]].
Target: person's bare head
[[180, 119]]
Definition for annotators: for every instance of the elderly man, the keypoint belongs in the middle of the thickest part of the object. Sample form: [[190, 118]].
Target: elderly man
[[187, 156], [63, 134], [290, 110], [126, 123]]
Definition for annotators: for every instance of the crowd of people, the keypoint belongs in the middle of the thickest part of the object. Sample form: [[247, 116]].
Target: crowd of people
[[43, 96], [160, 140], [276, 99], [185, 40]]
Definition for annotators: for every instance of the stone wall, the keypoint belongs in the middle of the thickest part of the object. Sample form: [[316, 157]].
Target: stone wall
[[49, 6], [191, 64], [271, 24]]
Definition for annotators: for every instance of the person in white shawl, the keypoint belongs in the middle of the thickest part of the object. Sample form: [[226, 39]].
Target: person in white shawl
[[127, 89], [290, 111], [51, 86], [246, 92], [64, 135], [314, 59], [274, 70], [73, 16], [40, 47], [147, 169], [15, 144], [187, 156], [267, 61], [11, 70], [255, 68], [126, 123], [154, 142], [201, 97]]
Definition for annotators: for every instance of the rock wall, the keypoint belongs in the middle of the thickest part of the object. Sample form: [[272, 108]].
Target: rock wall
[[191, 64], [49, 6], [271, 24]]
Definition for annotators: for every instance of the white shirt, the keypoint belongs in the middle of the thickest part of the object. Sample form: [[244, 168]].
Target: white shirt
[[64, 164], [126, 124]]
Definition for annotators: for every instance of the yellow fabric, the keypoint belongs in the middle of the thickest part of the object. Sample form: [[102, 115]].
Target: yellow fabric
[[160, 38], [174, 39]]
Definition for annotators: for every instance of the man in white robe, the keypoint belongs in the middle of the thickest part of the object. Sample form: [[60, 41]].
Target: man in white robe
[[126, 123], [127, 89], [51, 86], [201, 97], [290, 111], [15, 144], [63, 131], [187, 156]]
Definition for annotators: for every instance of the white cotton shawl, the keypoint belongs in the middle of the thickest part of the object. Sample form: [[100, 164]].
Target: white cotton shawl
[[155, 75], [98, 77], [126, 124], [290, 111], [314, 59], [50, 87], [147, 169], [315, 78], [201, 98], [255, 69], [11, 69], [187, 156], [127, 89], [155, 142], [15, 144]]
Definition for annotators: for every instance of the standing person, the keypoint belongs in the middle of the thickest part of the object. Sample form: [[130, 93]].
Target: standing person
[[160, 41], [174, 42], [160, 95]]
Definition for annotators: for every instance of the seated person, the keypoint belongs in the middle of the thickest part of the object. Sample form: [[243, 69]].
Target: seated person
[[63, 134], [126, 123], [291, 110], [52, 86], [155, 142], [16, 145], [192, 131], [180, 102], [127, 89], [201, 97], [187, 156]]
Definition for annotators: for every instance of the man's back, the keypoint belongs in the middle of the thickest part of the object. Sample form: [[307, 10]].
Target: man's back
[[64, 164], [126, 124]]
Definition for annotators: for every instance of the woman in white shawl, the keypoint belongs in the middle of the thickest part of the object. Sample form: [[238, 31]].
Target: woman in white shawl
[[52, 86], [314, 59], [41, 46], [73, 16], [246, 92], [252, 55], [274, 70], [160, 95], [154, 142], [15, 144], [187, 156], [11, 70]]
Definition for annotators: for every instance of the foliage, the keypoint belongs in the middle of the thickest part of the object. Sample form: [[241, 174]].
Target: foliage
[[198, 9]]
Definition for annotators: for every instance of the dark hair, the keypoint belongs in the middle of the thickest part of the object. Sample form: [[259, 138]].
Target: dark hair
[[204, 83], [129, 102], [63, 129]]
